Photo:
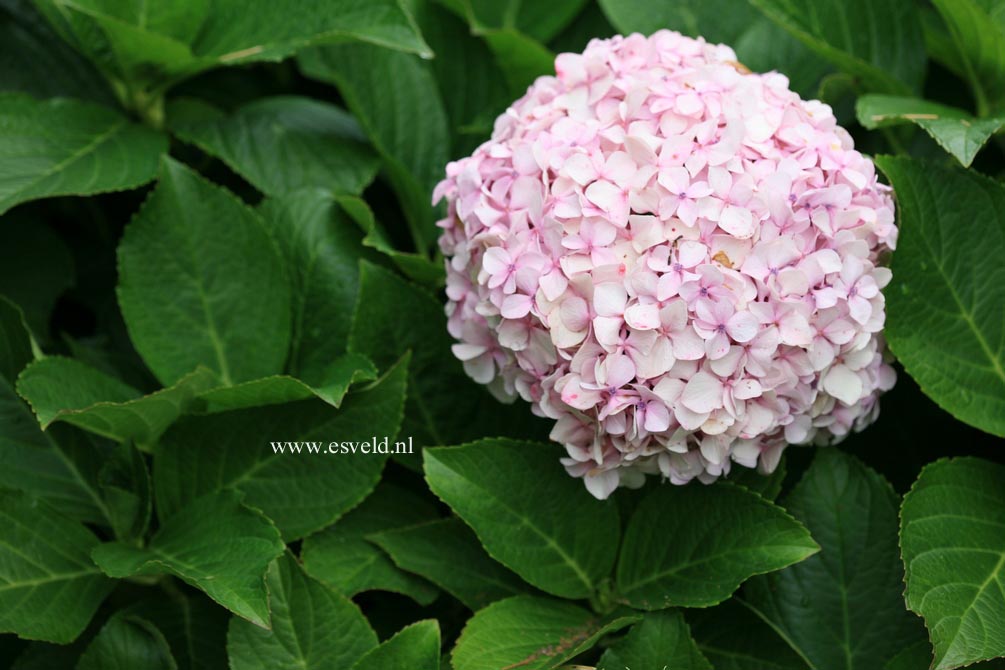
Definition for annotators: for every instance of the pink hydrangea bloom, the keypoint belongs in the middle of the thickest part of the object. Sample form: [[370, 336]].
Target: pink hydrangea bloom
[[673, 258]]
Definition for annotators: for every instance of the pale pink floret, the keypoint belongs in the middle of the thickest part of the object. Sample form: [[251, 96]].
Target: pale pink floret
[[675, 260]]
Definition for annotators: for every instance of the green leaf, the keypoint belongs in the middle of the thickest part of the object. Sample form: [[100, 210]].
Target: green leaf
[[239, 31], [195, 628], [951, 284], [147, 48], [301, 492], [312, 626], [843, 608], [49, 588], [34, 60], [126, 488], [734, 638], [341, 556], [531, 516], [951, 539], [35, 268], [715, 538], [63, 472], [57, 466], [415, 646], [180, 260], [64, 389], [69, 147], [955, 130], [470, 575], [321, 248], [879, 43], [530, 632], [343, 372], [977, 30], [317, 144], [444, 405], [406, 122], [125, 643], [660, 640], [216, 544]]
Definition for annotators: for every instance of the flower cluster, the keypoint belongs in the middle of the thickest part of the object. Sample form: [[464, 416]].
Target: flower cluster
[[674, 259]]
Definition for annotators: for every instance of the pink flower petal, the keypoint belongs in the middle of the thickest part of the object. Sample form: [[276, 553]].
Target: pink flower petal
[[703, 393]]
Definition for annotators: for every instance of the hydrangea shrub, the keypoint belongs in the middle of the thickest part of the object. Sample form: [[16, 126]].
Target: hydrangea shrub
[[307, 317]]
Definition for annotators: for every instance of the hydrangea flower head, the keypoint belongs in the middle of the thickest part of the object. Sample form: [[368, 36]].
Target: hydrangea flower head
[[675, 259]]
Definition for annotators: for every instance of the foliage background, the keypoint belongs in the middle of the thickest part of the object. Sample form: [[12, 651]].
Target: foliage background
[[216, 232]]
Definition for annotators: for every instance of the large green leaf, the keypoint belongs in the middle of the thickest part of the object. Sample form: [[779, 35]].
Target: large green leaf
[[530, 515], [954, 553], [341, 556], [312, 626], [64, 389], [660, 640], [239, 31], [321, 248], [944, 318], [35, 268], [956, 131], [406, 121], [530, 632], [880, 43], [202, 283], [146, 47], [317, 144], [125, 643], [415, 646], [49, 588], [301, 492], [58, 465], [34, 60], [444, 405], [692, 546], [734, 638], [470, 575], [69, 147], [843, 608], [64, 472], [977, 31], [216, 544]]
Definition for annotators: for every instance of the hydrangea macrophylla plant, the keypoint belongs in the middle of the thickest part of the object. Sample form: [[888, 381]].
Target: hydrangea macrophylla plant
[[675, 259]]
